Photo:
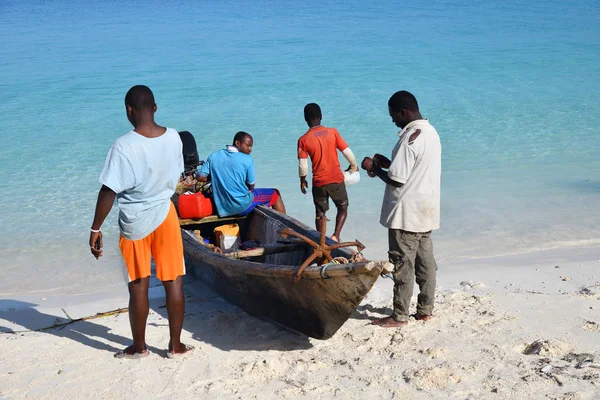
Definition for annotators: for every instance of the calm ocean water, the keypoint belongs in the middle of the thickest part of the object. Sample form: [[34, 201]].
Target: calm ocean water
[[512, 87]]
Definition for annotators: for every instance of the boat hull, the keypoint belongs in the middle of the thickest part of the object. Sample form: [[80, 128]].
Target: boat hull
[[317, 306]]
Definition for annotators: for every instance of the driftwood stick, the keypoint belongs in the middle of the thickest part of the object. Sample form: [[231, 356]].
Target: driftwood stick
[[72, 321]]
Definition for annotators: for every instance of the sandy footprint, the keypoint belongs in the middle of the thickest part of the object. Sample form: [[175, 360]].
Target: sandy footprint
[[591, 326], [437, 377]]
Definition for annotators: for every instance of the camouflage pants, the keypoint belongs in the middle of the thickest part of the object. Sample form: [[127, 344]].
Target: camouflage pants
[[412, 256]]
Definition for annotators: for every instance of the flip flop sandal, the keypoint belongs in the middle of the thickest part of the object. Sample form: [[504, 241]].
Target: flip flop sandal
[[188, 348], [134, 356]]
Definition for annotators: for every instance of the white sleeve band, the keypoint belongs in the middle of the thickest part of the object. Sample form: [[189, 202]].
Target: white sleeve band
[[302, 166], [349, 155]]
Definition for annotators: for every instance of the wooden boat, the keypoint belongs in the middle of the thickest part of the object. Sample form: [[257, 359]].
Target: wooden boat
[[261, 280]]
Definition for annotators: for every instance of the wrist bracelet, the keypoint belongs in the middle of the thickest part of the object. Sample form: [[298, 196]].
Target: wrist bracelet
[[95, 230]]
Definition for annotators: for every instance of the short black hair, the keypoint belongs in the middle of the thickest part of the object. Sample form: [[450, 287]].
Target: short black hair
[[240, 136], [403, 100], [140, 97], [312, 111]]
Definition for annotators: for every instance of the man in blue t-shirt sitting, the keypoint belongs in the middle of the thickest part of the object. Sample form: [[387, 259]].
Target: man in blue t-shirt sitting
[[231, 172]]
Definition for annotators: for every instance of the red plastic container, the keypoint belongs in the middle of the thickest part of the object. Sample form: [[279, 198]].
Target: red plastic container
[[194, 206]]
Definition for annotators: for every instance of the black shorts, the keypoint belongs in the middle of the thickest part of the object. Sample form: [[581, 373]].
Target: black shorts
[[321, 195]]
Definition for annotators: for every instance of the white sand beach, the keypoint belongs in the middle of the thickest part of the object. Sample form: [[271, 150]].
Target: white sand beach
[[513, 90], [489, 314]]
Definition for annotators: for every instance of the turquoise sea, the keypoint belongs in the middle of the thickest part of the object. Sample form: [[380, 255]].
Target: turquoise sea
[[512, 87]]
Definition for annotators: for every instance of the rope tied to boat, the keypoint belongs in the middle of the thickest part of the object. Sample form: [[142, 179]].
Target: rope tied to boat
[[340, 260], [335, 261], [357, 256]]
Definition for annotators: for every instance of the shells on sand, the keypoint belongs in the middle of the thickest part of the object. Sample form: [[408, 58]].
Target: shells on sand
[[583, 360], [590, 291], [581, 357], [547, 348], [436, 377], [546, 368], [471, 285], [534, 348]]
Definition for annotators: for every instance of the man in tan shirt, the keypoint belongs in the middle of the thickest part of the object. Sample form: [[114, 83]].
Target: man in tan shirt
[[411, 207]]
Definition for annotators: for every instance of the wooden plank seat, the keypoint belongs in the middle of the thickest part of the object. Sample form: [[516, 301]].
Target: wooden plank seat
[[266, 249], [209, 219]]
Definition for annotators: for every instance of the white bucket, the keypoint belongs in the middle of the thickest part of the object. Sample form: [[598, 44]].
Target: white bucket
[[351, 177], [228, 242]]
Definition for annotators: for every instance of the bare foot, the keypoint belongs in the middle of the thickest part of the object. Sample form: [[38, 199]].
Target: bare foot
[[389, 322], [130, 353], [335, 238], [181, 350], [422, 317]]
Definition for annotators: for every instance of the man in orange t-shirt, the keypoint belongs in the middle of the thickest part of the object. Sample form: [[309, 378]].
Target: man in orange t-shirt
[[321, 144]]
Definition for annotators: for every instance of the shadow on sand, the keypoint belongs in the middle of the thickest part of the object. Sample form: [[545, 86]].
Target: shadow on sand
[[208, 317], [82, 331], [214, 321], [360, 312]]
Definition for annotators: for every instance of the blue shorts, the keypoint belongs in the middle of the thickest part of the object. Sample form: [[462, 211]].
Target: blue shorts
[[262, 196]]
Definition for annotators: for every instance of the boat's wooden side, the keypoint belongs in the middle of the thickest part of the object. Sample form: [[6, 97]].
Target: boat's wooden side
[[315, 306]]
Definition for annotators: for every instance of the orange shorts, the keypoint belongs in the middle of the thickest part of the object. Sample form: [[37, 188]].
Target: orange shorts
[[164, 244]]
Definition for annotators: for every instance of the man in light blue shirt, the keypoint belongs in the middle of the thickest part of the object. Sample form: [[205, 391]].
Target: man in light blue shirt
[[231, 171], [141, 171]]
